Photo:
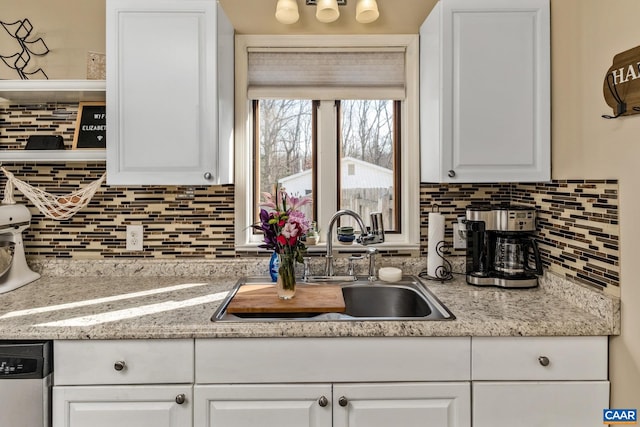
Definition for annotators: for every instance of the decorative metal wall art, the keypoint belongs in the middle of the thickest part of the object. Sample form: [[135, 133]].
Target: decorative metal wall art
[[19, 61]]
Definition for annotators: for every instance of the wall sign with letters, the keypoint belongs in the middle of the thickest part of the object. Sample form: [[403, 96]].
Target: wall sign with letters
[[622, 84], [91, 127]]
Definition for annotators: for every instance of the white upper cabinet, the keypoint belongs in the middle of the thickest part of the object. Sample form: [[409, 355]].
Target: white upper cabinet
[[485, 91], [169, 93]]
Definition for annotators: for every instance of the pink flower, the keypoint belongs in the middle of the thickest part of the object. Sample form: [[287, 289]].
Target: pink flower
[[268, 201], [295, 203], [300, 219], [290, 230]]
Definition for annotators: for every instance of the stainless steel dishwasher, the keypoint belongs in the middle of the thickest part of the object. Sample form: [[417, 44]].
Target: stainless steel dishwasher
[[25, 383]]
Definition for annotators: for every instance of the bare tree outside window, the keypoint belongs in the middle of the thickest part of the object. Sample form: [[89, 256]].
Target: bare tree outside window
[[367, 176], [285, 147]]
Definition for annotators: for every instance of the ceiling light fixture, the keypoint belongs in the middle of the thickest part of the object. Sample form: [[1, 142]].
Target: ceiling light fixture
[[327, 10], [287, 11], [367, 11]]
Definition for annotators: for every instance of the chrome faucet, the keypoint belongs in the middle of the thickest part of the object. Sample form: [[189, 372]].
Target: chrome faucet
[[366, 237]]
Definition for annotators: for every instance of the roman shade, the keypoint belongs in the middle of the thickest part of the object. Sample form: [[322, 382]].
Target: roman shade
[[326, 73]]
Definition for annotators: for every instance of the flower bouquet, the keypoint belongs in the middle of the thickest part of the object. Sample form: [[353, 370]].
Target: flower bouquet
[[283, 224]]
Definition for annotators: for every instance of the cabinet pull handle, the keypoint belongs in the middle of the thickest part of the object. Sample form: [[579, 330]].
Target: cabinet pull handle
[[208, 176], [180, 399], [451, 173], [323, 401], [544, 360], [120, 365], [343, 401]]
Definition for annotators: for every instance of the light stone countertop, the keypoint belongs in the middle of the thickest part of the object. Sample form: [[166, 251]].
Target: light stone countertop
[[140, 307]]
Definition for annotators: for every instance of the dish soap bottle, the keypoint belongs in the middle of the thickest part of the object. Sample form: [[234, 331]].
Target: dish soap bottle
[[313, 237]]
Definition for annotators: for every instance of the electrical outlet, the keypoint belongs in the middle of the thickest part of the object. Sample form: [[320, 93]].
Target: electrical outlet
[[135, 238], [458, 241]]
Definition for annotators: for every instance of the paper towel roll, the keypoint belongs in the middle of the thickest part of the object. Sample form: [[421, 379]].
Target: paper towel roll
[[435, 235]]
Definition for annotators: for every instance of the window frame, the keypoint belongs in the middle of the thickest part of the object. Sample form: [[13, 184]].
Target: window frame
[[407, 160]]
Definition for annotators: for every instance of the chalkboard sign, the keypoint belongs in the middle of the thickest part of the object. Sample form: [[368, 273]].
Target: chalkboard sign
[[91, 128]]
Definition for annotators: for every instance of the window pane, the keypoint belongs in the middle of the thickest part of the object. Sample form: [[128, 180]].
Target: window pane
[[285, 148], [367, 176]]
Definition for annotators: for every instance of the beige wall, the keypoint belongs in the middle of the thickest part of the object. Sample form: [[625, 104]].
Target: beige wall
[[58, 22], [586, 34]]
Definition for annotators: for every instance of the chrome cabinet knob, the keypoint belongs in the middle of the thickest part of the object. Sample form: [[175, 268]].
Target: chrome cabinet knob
[[120, 365], [180, 399], [323, 401], [544, 360], [208, 176], [451, 173], [343, 401]]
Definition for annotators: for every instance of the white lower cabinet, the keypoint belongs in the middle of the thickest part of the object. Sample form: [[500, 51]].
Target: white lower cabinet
[[123, 383], [264, 405], [539, 404], [332, 382], [348, 405], [402, 404], [539, 381], [122, 406]]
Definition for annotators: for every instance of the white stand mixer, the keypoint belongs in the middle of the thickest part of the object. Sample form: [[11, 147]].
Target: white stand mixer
[[14, 219]]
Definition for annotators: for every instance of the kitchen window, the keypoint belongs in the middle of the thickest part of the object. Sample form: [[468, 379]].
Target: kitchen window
[[331, 117], [366, 169]]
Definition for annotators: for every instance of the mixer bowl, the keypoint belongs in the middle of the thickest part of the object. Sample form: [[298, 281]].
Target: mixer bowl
[[6, 256]]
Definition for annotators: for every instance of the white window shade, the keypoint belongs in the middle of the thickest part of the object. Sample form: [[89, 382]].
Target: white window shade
[[316, 73]]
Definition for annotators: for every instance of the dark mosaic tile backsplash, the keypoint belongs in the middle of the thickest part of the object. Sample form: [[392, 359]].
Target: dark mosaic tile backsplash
[[578, 229]]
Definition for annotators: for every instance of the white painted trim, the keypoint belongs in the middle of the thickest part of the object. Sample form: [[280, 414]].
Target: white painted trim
[[410, 156]]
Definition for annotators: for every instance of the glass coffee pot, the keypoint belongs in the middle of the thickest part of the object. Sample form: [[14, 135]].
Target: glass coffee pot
[[516, 255]]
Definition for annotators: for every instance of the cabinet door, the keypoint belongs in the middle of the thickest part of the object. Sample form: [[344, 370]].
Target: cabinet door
[[122, 406], [485, 105], [539, 404], [272, 405], [162, 92], [402, 404]]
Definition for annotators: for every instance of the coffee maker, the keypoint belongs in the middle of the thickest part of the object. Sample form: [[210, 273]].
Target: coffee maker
[[500, 248]]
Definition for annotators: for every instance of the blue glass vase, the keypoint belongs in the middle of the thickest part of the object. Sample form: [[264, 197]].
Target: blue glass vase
[[274, 265]]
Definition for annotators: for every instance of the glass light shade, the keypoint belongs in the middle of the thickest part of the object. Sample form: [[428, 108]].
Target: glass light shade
[[367, 11], [327, 11], [287, 11]]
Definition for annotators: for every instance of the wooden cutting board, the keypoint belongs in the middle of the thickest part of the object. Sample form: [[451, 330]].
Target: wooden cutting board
[[309, 298]]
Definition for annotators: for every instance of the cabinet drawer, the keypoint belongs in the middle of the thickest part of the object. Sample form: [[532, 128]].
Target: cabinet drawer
[[296, 360], [123, 362], [539, 404], [539, 358]]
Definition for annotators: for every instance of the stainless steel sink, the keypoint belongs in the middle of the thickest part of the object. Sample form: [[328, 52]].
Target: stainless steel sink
[[408, 299]]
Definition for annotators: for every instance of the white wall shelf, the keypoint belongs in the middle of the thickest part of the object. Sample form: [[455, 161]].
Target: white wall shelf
[[93, 155], [40, 91], [22, 92]]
